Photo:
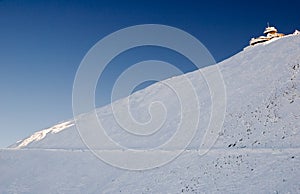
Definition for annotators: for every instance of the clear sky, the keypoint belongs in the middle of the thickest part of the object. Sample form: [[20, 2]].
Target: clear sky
[[43, 42]]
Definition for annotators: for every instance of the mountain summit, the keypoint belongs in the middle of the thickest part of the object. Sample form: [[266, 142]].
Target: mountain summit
[[257, 151]]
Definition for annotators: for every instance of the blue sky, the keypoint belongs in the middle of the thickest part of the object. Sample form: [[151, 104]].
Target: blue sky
[[43, 42]]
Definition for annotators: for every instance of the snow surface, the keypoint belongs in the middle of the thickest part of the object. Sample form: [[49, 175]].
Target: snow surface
[[258, 150]]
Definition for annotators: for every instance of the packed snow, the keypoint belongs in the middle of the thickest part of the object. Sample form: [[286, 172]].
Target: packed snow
[[258, 149]]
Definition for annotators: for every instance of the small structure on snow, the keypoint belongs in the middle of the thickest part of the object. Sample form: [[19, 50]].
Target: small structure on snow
[[297, 32], [271, 32]]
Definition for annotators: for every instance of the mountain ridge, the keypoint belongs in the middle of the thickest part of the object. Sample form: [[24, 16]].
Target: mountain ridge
[[70, 123]]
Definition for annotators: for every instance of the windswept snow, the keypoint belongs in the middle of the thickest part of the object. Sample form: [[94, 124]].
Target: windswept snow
[[258, 150], [42, 134]]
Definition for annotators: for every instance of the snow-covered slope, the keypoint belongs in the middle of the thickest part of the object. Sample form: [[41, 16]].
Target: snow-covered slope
[[258, 150]]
